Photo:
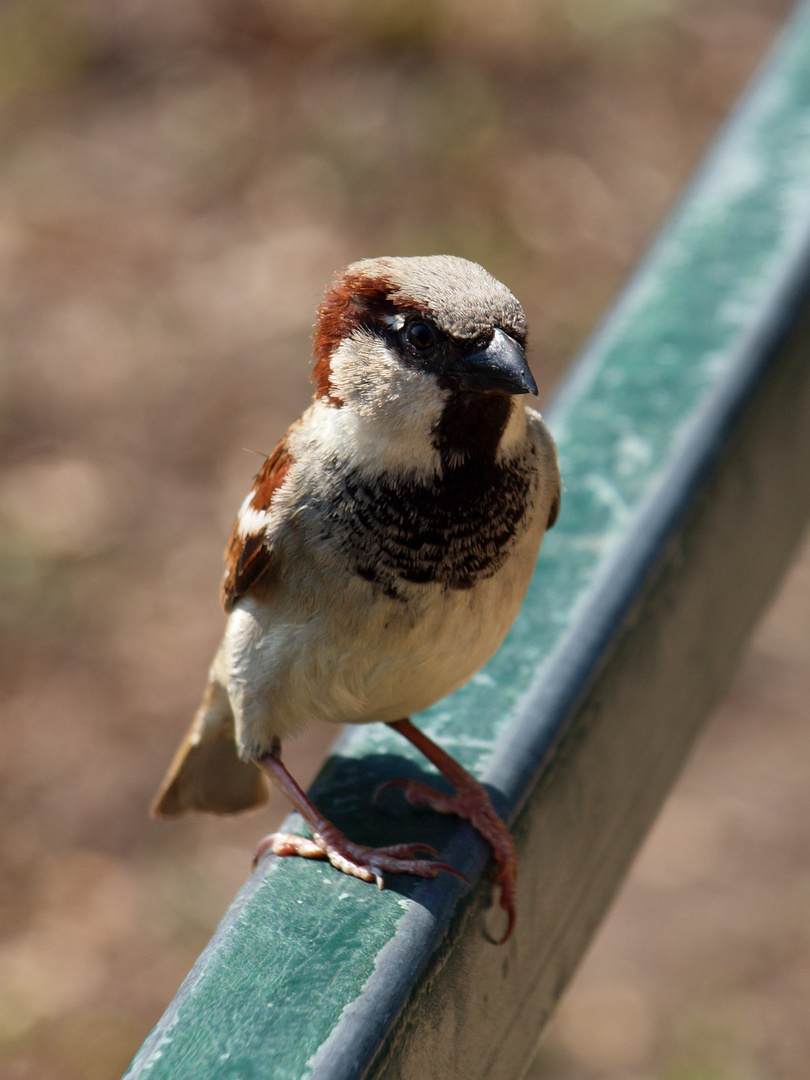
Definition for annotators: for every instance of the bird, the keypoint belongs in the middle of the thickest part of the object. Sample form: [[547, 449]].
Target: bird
[[381, 555]]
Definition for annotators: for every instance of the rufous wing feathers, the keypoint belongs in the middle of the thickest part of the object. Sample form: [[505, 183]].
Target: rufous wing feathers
[[247, 556]]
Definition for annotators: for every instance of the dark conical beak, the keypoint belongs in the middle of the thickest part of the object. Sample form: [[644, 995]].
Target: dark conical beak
[[500, 368]]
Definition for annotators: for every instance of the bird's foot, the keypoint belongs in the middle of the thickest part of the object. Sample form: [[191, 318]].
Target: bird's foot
[[360, 861], [472, 803]]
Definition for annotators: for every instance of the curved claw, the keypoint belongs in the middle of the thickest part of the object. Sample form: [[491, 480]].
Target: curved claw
[[507, 902], [448, 869]]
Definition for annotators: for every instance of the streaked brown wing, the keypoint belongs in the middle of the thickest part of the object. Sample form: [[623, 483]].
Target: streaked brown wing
[[247, 556]]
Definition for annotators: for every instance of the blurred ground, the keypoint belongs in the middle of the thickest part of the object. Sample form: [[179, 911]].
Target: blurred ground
[[178, 182]]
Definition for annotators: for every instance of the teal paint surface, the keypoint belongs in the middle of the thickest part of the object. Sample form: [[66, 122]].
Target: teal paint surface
[[302, 940]]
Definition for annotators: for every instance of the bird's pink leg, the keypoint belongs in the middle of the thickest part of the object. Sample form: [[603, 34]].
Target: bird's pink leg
[[470, 802], [328, 842]]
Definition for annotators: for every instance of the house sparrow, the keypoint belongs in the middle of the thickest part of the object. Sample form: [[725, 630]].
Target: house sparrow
[[382, 553]]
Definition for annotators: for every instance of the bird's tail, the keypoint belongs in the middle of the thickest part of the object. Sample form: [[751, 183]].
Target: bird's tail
[[207, 773]]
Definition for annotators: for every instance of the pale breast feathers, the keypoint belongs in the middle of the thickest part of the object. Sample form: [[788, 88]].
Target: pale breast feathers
[[247, 556]]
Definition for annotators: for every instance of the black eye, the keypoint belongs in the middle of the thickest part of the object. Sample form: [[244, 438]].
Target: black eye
[[421, 335]]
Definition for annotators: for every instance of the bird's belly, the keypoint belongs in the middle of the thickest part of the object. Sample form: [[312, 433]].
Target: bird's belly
[[370, 660], [442, 652]]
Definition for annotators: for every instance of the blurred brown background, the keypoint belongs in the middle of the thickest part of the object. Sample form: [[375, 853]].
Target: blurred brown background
[[178, 182]]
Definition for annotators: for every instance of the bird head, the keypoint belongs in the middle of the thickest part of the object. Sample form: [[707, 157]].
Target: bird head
[[427, 351]]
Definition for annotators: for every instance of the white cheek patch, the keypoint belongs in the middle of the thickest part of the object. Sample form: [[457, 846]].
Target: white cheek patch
[[390, 410]]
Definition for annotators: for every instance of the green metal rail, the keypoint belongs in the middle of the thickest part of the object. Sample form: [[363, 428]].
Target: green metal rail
[[684, 437]]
